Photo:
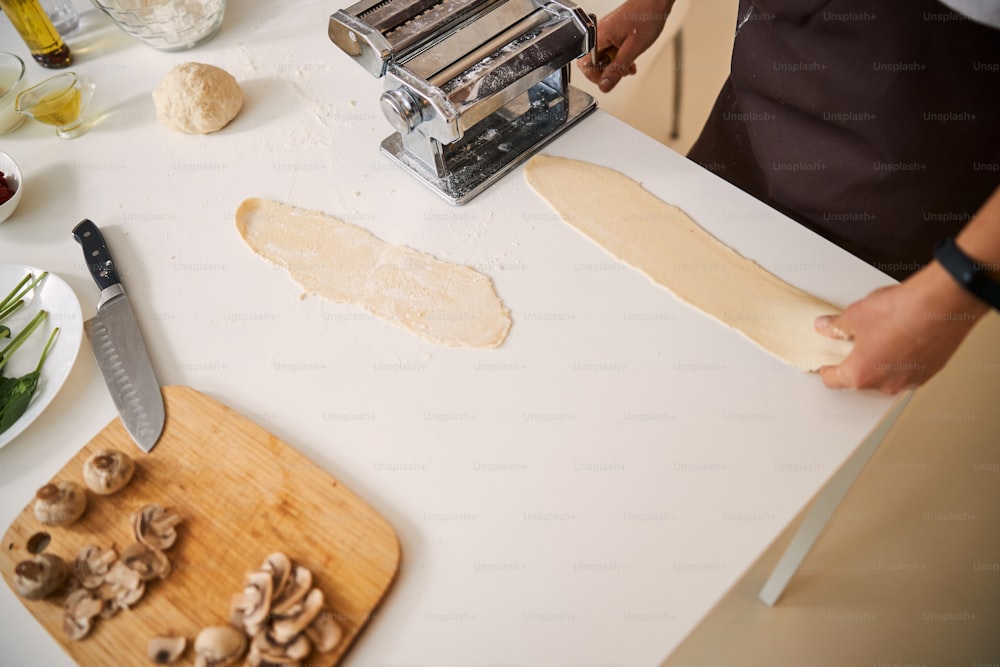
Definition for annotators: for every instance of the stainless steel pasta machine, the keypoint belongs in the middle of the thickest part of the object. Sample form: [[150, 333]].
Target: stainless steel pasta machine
[[472, 87]]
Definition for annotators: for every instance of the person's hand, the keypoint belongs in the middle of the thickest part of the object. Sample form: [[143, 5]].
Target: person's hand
[[902, 334], [622, 36]]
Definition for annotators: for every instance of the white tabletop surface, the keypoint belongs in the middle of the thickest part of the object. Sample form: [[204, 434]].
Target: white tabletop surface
[[581, 495]]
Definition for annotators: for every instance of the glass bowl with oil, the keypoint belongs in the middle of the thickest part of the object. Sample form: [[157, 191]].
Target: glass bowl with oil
[[60, 101], [166, 25], [12, 81]]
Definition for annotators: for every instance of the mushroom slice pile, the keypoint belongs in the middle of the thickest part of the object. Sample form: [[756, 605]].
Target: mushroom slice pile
[[114, 583], [92, 564], [283, 613], [265, 650], [40, 576], [107, 471], [60, 503], [123, 587], [251, 608], [153, 525], [79, 610], [296, 588]]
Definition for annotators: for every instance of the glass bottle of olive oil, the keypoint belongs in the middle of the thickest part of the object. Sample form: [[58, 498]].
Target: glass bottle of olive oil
[[37, 31]]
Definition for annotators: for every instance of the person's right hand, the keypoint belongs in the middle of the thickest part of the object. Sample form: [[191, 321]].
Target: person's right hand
[[623, 35]]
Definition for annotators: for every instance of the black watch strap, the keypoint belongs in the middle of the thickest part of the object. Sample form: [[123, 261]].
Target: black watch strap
[[970, 274]]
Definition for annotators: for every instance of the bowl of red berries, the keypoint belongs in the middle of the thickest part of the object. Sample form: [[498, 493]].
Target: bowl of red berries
[[11, 186]]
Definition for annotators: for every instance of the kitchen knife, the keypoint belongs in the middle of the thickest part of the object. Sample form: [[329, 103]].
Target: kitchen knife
[[121, 354]]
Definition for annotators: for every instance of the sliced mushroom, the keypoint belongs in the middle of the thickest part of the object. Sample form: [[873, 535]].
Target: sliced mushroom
[[219, 645], [148, 562], [79, 611], [107, 471], [60, 503], [279, 566], [298, 585], [271, 651], [40, 576], [109, 603], [286, 628], [165, 650], [123, 587], [254, 605], [153, 525], [92, 564], [324, 632]]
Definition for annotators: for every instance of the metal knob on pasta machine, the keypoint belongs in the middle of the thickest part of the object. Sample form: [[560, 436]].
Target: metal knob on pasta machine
[[472, 87]]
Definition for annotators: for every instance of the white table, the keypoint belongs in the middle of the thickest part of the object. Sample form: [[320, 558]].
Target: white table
[[582, 495]]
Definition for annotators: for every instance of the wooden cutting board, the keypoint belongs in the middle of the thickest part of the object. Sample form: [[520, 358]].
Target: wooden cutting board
[[242, 494]]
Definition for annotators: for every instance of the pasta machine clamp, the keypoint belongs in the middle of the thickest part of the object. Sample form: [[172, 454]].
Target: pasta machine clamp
[[472, 87]]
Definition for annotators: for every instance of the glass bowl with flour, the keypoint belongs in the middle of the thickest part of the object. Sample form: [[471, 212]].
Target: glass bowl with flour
[[167, 25]]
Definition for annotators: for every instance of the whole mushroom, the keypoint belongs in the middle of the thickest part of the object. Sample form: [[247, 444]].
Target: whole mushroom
[[107, 471], [219, 645], [60, 503], [40, 576]]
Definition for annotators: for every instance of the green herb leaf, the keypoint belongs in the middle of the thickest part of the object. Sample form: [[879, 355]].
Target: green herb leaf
[[16, 399], [16, 393]]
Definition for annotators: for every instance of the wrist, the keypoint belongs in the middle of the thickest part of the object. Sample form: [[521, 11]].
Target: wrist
[[973, 276], [943, 299]]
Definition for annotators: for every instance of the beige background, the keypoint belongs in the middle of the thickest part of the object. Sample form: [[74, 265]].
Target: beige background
[[907, 574]]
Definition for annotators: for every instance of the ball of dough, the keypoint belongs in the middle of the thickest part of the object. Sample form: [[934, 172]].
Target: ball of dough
[[197, 98]]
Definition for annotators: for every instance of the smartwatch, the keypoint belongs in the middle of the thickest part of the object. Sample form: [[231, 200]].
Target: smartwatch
[[970, 274]]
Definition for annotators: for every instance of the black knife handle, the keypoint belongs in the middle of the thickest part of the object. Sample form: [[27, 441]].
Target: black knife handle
[[98, 257]]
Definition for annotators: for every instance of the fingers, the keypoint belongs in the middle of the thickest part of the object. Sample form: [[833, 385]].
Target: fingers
[[833, 377], [620, 63], [592, 73], [608, 71], [833, 326]]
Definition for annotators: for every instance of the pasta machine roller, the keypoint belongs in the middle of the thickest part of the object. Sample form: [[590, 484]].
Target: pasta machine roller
[[472, 87]]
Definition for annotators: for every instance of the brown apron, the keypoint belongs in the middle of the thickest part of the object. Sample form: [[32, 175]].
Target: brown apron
[[876, 124]]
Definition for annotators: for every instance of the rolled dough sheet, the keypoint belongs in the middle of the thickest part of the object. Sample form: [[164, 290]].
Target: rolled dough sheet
[[662, 242], [443, 303]]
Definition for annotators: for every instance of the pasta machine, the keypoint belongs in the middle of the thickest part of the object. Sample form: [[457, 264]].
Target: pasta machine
[[472, 87]]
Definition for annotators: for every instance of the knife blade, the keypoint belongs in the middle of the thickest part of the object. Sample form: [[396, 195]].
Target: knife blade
[[118, 346]]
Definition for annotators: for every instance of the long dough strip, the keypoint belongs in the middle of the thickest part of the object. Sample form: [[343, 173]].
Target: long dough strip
[[662, 242]]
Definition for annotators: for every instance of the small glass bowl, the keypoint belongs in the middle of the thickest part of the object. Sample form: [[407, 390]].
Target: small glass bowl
[[166, 25], [12, 82]]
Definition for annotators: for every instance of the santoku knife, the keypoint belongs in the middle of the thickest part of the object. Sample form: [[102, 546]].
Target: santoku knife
[[121, 354]]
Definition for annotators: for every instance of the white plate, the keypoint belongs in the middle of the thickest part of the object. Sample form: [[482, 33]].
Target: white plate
[[56, 297]]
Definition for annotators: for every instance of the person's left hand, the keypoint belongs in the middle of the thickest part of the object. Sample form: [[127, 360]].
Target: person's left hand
[[902, 334]]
